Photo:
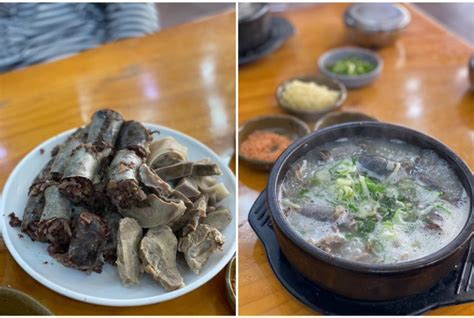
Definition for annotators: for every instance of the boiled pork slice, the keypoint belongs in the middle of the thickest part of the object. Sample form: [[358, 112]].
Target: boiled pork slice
[[199, 244], [128, 242], [158, 254], [219, 218], [190, 219]]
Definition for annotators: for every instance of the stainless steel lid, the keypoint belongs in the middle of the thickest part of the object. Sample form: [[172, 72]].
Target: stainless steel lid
[[250, 10], [376, 17]]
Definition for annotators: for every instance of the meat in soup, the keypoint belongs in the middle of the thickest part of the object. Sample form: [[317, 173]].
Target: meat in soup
[[374, 201]]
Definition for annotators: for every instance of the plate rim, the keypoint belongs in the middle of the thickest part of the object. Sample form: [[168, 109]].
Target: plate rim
[[107, 301]]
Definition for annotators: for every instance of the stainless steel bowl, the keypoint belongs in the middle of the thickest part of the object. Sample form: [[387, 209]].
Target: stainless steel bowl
[[231, 283], [376, 25], [15, 302]]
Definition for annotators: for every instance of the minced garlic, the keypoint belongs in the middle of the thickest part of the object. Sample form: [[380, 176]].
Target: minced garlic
[[308, 96]]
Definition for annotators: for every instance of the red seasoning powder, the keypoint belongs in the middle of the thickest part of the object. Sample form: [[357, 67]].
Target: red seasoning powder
[[264, 145]]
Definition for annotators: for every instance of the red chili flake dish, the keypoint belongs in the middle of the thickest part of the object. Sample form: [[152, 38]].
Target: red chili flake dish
[[264, 145]]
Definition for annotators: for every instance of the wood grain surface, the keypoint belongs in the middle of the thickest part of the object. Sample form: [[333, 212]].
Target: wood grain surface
[[183, 78], [424, 85]]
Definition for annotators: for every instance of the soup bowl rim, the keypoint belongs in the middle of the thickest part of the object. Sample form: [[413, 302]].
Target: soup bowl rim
[[439, 255]]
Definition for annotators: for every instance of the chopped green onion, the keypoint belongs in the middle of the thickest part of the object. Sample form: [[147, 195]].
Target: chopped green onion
[[343, 168], [443, 208], [353, 207], [303, 193], [366, 226], [352, 66], [365, 189], [374, 187]]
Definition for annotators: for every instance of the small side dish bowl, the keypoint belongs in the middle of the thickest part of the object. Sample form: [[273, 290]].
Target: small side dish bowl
[[376, 25], [351, 81], [14, 302], [286, 125], [336, 118], [230, 282], [330, 83]]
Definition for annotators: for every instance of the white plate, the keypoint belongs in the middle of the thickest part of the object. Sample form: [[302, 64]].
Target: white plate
[[104, 288]]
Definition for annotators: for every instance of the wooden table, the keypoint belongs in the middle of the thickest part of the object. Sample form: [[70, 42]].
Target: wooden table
[[183, 78], [424, 85]]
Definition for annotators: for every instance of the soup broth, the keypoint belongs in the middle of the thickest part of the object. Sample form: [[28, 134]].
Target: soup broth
[[374, 201]]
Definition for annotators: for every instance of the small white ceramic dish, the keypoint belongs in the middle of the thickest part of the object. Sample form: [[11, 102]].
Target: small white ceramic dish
[[105, 288]]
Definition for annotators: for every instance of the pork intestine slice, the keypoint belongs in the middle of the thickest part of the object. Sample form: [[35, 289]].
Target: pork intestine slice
[[206, 167], [188, 186], [166, 151], [216, 191], [161, 188], [155, 211], [151, 180], [175, 171]]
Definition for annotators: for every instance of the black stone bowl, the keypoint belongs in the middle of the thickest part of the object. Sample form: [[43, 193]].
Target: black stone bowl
[[255, 29], [358, 280]]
